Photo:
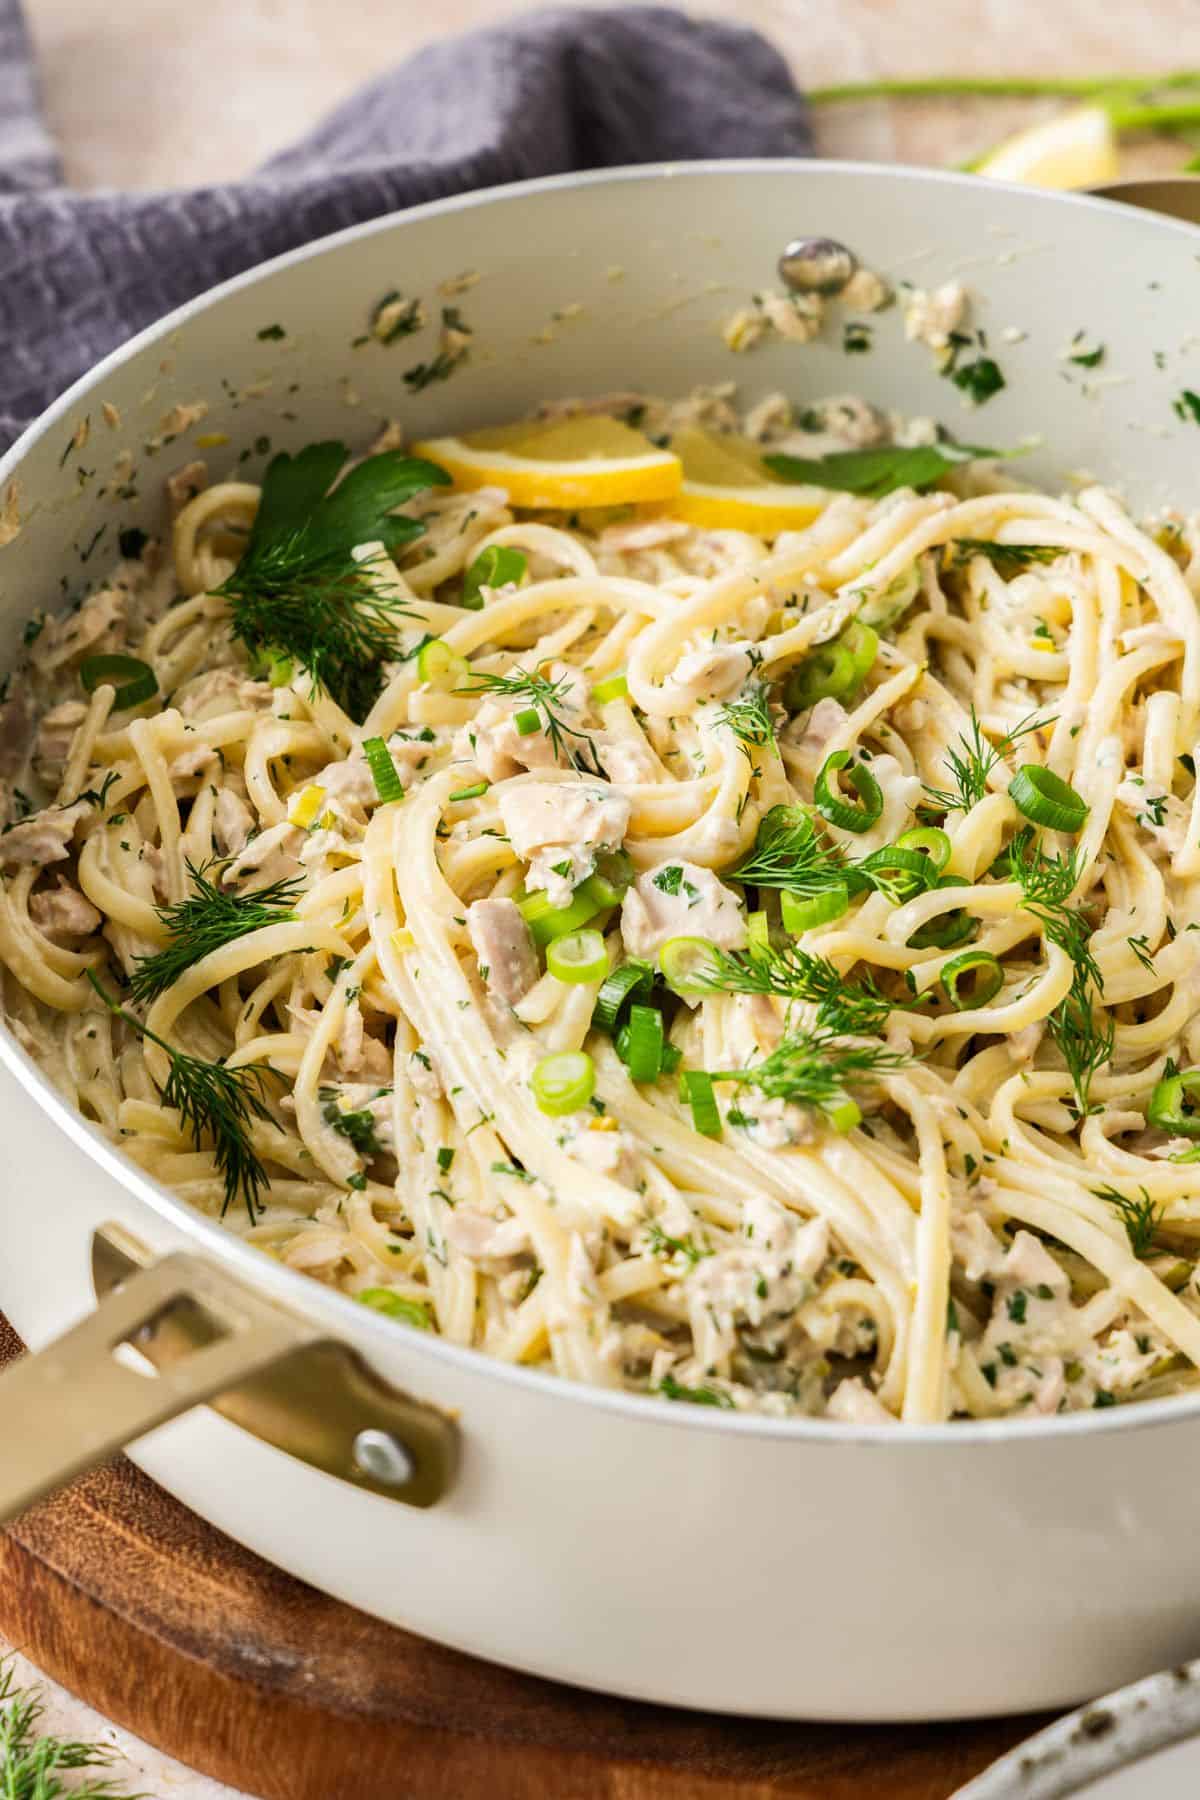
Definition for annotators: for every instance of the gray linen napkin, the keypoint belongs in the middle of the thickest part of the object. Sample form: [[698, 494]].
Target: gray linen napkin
[[543, 93]]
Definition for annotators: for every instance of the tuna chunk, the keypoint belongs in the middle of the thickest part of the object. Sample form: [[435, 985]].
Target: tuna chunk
[[16, 727], [46, 838], [711, 673], [680, 900], [63, 912], [55, 735], [507, 960], [557, 827]]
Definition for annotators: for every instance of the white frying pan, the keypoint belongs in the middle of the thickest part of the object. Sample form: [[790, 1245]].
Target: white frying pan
[[790, 1568]]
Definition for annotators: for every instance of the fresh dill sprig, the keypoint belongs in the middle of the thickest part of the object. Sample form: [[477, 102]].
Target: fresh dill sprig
[[749, 718], [971, 764], [814, 1069], [1141, 1218], [1006, 559], [207, 920], [547, 698], [1083, 1032], [789, 852], [1141, 949], [849, 1007], [215, 1103], [298, 589], [33, 1765]]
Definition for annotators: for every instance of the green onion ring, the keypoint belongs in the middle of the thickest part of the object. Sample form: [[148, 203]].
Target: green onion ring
[[578, 956], [138, 678], [1168, 1102], [803, 912], [991, 979], [843, 813], [563, 1082], [1047, 799]]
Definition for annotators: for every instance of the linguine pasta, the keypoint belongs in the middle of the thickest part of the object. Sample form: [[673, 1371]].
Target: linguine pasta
[[892, 825]]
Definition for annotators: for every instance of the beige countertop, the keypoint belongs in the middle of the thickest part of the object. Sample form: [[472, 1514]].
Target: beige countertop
[[151, 93]]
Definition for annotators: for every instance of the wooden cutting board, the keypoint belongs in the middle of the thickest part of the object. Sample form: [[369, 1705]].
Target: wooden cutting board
[[158, 1621]]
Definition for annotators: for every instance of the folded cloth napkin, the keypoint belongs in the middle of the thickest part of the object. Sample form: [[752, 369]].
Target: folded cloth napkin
[[543, 93]]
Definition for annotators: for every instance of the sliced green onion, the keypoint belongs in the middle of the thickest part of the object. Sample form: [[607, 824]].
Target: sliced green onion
[[396, 1306], [613, 687], [1047, 799], [137, 678], [697, 1089], [279, 674], [930, 842], [580, 956], [802, 912], [947, 929], [640, 1043], [904, 872], [758, 930], [989, 979], [683, 961], [383, 770], [547, 922], [527, 721], [612, 877], [671, 1059], [618, 987], [474, 792], [496, 567], [833, 670], [843, 1114], [1171, 1103], [564, 1082], [440, 667], [844, 813]]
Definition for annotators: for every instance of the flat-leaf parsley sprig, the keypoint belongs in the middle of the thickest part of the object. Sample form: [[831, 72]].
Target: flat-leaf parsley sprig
[[298, 588], [547, 699], [216, 1103], [207, 920]]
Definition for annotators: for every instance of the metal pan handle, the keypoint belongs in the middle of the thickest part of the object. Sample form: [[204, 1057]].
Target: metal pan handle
[[200, 1335]]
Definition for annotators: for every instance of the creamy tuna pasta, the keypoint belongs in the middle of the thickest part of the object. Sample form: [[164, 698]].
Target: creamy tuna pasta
[[752, 967]]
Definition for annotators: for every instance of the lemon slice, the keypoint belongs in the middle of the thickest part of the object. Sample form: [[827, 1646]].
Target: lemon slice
[[585, 461], [1075, 150], [726, 485]]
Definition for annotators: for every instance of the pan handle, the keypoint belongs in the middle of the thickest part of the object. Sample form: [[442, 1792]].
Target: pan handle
[[201, 1335]]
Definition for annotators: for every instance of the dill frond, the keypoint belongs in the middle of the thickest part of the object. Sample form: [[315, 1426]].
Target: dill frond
[[1141, 1218], [749, 718], [1081, 1030], [813, 1069], [848, 1007], [548, 698], [217, 1105], [33, 1765], [207, 920], [972, 762], [789, 852], [1006, 559]]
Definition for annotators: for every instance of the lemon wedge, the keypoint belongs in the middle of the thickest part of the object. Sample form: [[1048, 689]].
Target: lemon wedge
[[726, 486], [585, 461], [1077, 149]]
